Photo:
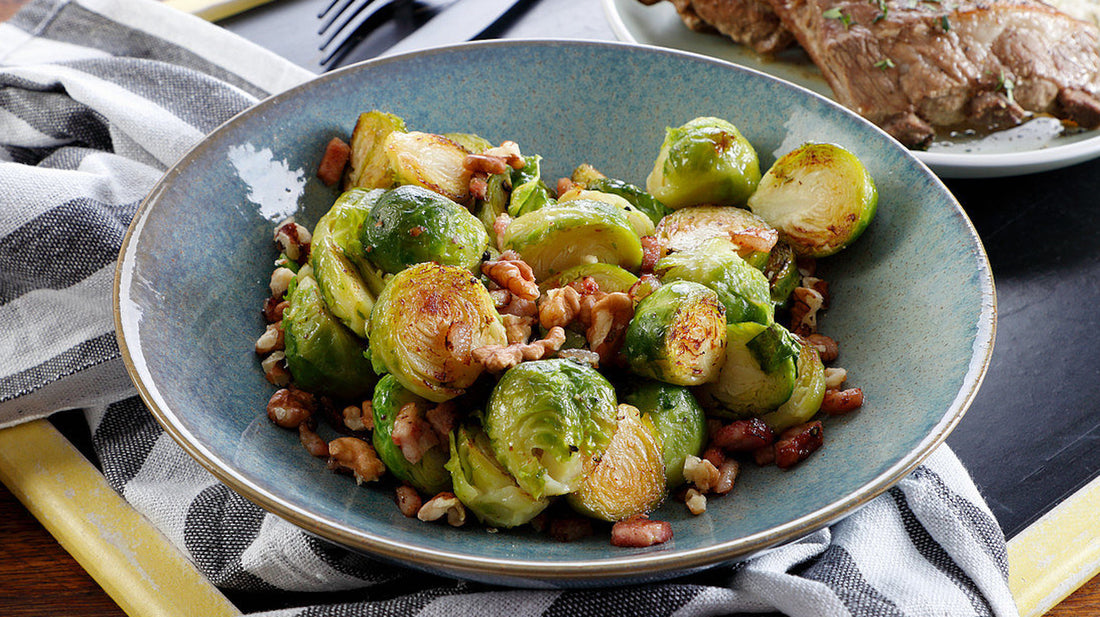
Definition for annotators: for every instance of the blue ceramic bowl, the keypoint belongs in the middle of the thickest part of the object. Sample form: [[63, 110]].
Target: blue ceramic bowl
[[914, 305]]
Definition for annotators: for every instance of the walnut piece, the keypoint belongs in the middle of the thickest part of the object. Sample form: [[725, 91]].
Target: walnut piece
[[513, 274], [443, 504], [701, 473], [351, 454], [499, 358], [290, 407]]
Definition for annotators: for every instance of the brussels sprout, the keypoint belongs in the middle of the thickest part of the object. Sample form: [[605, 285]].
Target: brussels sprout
[[705, 161], [429, 474], [368, 166], [809, 390], [742, 289], [322, 355], [586, 176], [471, 142], [608, 277], [677, 335], [782, 273], [426, 324], [484, 486], [678, 420], [743, 388], [553, 240], [639, 220], [529, 192], [335, 253], [820, 198], [410, 225], [687, 228], [495, 203], [547, 420], [430, 161], [629, 478]]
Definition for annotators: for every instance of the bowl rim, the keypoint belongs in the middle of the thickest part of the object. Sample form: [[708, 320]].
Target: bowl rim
[[627, 567]]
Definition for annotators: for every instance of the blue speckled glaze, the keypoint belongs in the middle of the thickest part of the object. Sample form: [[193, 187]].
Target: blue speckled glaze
[[913, 300]]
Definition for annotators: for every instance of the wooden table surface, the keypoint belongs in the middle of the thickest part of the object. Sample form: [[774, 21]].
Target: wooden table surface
[[40, 578]]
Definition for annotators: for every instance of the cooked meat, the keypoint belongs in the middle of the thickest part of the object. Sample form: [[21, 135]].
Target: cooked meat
[[913, 66], [748, 22]]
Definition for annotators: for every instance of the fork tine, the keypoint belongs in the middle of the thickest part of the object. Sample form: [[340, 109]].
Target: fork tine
[[355, 26], [344, 13], [332, 4]]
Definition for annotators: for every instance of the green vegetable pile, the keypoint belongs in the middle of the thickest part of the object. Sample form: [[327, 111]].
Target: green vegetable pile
[[395, 303]]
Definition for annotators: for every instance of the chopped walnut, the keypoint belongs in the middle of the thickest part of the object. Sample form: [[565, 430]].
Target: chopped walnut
[[700, 472], [275, 371], [696, 502], [513, 274], [271, 340], [355, 417], [292, 240], [408, 500], [610, 317], [559, 307], [826, 347], [312, 441], [517, 329], [509, 151], [274, 308], [444, 503], [835, 377], [500, 224], [807, 302], [499, 358], [290, 407], [280, 281], [356, 456]]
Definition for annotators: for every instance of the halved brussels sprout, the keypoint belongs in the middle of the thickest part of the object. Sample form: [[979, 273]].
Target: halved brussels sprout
[[638, 220], [529, 192], [322, 355], [430, 161], [486, 487], [368, 166], [679, 421], [547, 421], [472, 142], [742, 289], [677, 335], [609, 278], [809, 390], [687, 228], [495, 203], [704, 161], [743, 388], [782, 273], [335, 253], [429, 474], [552, 240], [426, 324], [820, 198], [586, 176], [629, 478], [410, 225]]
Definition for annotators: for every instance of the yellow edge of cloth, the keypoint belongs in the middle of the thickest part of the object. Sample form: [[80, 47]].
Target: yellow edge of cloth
[[133, 562], [1056, 554], [214, 10]]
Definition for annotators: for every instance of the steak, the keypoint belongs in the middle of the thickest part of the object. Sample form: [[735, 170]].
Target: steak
[[752, 23], [912, 67]]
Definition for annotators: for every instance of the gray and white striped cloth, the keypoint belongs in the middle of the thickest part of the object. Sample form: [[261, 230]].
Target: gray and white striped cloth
[[97, 99]]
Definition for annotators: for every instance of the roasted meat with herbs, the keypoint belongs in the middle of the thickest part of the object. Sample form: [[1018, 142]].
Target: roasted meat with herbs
[[749, 22]]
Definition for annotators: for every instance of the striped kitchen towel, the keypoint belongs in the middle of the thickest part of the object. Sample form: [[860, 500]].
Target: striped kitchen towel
[[97, 99]]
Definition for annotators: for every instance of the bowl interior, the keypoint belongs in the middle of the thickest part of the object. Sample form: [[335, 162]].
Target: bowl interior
[[913, 304]]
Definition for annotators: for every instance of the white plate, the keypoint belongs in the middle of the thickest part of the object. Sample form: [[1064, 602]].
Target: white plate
[[1033, 147]]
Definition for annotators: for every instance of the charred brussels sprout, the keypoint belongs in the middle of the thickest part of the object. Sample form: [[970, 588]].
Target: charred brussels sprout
[[820, 198], [677, 335], [547, 420], [428, 474], [336, 255], [322, 355], [553, 240], [429, 161], [638, 219], [495, 203], [484, 486], [410, 225], [705, 161], [609, 278], [586, 176], [809, 390], [744, 387], [629, 478], [426, 324], [687, 228], [782, 273], [678, 420], [368, 166], [742, 289]]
